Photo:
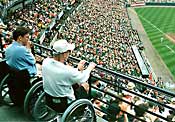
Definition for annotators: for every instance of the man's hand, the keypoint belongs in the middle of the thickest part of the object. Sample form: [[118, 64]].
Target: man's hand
[[91, 65], [86, 86], [29, 44], [81, 65], [1, 31]]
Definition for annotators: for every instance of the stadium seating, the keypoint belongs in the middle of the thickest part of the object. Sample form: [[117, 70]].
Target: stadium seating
[[100, 37]]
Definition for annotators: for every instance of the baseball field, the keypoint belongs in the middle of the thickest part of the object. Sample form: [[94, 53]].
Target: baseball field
[[159, 24]]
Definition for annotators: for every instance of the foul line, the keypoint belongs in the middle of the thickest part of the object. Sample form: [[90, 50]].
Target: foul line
[[170, 49], [159, 31], [151, 24]]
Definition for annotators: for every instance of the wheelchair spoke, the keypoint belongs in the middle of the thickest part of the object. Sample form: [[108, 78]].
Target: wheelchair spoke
[[41, 111], [4, 91], [32, 96], [6, 98], [33, 100], [4, 86], [81, 114], [4, 94]]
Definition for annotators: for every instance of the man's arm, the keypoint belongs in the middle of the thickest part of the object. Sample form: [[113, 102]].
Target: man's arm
[[28, 57], [81, 76]]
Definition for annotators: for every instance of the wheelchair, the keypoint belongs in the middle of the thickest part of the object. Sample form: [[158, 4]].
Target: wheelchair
[[4, 69], [14, 86], [32, 95], [80, 110], [4, 74]]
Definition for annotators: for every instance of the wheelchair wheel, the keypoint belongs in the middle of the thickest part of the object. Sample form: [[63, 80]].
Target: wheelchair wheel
[[81, 110], [41, 111], [32, 95], [4, 92]]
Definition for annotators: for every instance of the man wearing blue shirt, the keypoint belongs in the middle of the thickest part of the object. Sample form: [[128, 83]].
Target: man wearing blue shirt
[[18, 55]]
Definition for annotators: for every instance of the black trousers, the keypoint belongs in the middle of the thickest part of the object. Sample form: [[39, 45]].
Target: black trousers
[[58, 104]]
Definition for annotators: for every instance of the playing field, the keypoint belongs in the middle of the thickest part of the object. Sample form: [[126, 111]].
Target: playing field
[[159, 24]]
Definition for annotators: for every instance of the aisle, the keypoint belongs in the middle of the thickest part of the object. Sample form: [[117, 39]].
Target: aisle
[[12, 114], [16, 114]]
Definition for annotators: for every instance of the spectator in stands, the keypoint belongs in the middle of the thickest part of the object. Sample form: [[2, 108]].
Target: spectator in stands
[[18, 54], [168, 112], [58, 77], [171, 116], [172, 104], [99, 42], [140, 112], [127, 95], [153, 108], [96, 83], [4, 36], [115, 113]]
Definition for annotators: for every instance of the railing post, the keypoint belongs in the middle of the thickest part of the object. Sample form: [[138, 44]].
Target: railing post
[[90, 86]]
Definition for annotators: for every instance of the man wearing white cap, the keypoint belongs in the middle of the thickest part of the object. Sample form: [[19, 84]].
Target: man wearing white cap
[[58, 78]]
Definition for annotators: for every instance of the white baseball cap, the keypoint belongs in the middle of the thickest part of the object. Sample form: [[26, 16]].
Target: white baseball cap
[[173, 100], [62, 46], [130, 85]]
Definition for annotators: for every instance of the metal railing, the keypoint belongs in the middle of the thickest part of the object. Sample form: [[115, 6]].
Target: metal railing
[[114, 79]]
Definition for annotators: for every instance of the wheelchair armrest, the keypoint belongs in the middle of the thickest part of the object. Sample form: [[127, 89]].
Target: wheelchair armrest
[[35, 79]]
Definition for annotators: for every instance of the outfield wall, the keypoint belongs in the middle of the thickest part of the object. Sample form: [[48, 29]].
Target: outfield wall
[[137, 3], [160, 4]]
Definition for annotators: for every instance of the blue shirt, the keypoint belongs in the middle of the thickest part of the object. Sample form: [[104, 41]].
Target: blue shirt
[[19, 57]]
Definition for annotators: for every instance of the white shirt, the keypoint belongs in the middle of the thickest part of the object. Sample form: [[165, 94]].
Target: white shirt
[[58, 78]]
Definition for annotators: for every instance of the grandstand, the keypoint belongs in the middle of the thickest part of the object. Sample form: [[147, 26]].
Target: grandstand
[[131, 43]]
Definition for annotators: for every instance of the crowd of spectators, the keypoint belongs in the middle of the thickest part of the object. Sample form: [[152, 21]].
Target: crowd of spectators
[[102, 33], [152, 1], [36, 16], [134, 105]]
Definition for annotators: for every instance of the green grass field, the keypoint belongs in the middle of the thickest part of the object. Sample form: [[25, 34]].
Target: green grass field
[[157, 22]]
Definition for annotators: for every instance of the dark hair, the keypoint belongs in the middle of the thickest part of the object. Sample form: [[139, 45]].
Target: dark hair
[[151, 104], [113, 110], [141, 109], [20, 31], [93, 79]]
